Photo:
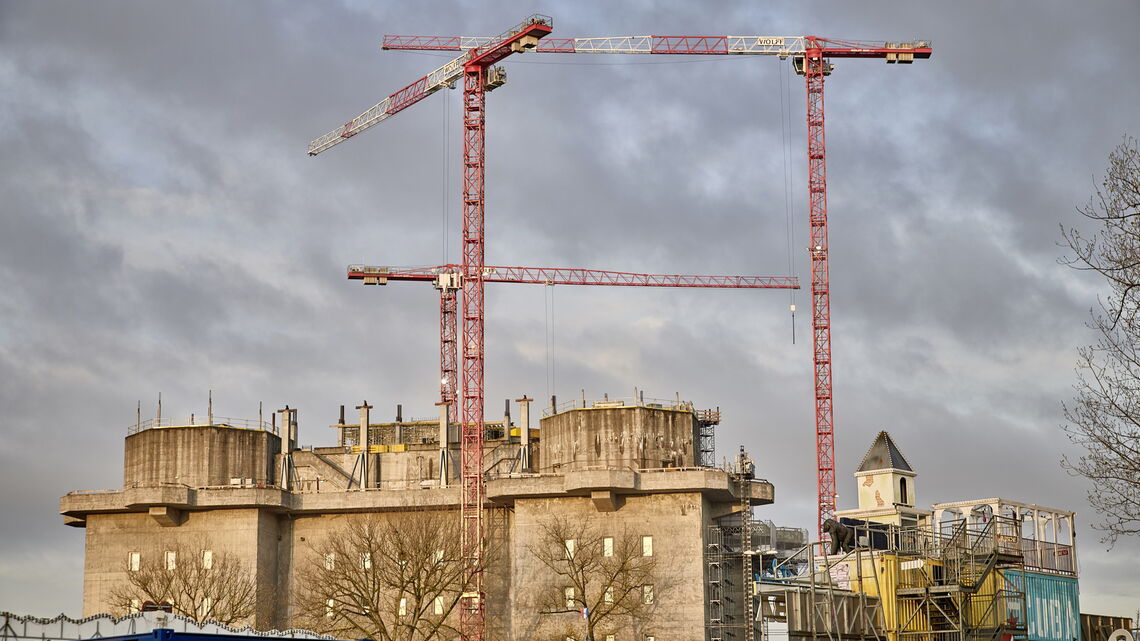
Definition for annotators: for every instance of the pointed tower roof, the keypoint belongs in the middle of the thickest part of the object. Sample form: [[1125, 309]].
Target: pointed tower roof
[[884, 455]]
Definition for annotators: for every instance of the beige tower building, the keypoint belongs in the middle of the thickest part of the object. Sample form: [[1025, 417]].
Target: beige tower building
[[886, 487], [624, 466]]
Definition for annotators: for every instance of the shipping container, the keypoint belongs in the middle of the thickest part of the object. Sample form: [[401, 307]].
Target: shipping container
[[1052, 605], [881, 574], [1097, 627]]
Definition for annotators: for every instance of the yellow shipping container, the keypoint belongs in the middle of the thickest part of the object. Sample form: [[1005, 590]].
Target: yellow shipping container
[[882, 574], [885, 575]]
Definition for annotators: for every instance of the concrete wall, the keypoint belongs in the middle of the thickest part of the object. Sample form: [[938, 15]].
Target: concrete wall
[[676, 523], [637, 437], [277, 536], [199, 456], [275, 530], [249, 534]]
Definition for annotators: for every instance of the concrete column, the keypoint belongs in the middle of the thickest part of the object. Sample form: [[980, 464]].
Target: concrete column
[[294, 435], [289, 427], [399, 424], [362, 441], [524, 431], [443, 459]]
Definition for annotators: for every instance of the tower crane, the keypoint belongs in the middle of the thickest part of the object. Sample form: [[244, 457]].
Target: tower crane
[[476, 67], [811, 59], [446, 278]]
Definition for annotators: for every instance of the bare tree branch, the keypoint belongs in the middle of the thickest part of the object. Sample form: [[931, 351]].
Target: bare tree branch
[[395, 577], [196, 580], [605, 573], [1104, 417]]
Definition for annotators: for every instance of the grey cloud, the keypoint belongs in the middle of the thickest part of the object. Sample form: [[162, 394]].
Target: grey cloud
[[155, 164]]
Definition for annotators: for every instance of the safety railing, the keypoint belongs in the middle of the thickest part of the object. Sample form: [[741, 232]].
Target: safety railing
[[1048, 557], [611, 402], [218, 421]]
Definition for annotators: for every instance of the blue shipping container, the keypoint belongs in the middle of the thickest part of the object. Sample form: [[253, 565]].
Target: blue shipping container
[[1052, 605]]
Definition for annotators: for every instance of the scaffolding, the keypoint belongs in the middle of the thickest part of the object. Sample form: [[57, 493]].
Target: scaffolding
[[901, 584], [739, 553], [707, 420], [810, 595]]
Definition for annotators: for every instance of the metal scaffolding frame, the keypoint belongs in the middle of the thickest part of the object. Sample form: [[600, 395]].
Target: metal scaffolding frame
[[739, 553], [945, 584]]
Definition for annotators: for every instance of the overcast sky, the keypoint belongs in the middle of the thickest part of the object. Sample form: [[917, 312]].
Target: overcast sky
[[163, 230]]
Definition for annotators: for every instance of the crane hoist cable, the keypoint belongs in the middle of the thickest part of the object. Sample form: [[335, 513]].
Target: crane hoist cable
[[548, 294], [785, 98], [446, 168]]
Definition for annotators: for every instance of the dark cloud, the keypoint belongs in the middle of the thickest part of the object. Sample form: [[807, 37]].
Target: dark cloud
[[163, 230]]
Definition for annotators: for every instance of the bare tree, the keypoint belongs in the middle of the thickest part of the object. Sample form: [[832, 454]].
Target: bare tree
[[191, 577], [611, 576], [1104, 417], [388, 578]]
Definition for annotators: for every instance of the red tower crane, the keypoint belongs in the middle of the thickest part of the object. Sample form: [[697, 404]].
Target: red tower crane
[[446, 279], [810, 58], [479, 75]]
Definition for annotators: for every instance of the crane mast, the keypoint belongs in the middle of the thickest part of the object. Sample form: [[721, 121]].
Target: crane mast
[[815, 67], [810, 56]]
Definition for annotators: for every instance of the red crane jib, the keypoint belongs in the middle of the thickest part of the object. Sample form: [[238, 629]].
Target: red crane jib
[[676, 45], [574, 276]]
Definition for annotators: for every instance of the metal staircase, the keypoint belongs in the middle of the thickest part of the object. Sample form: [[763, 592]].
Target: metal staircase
[[956, 589]]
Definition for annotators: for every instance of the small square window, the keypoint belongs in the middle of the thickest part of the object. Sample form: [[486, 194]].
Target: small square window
[[330, 561], [136, 606], [365, 560], [609, 637], [608, 546]]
